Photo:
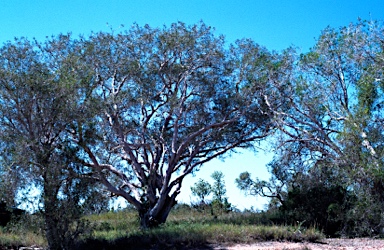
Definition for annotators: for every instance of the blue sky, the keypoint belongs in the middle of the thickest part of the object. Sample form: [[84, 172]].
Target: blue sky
[[271, 23]]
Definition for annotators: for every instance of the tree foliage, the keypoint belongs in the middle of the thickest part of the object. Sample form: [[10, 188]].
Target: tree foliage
[[138, 111], [333, 124], [202, 189], [168, 101], [219, 202], [135, 111], [218, 187], [40, 98]]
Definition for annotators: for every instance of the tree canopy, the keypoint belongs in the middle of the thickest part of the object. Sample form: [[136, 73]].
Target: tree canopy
[[331, 135], [133, 113], [136, 111]]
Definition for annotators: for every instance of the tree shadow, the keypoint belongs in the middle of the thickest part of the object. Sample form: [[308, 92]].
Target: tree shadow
[[143, 242]]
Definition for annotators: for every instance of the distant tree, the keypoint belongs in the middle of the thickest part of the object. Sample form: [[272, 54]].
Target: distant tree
[[218, 187], [201, 189], [220, 201]]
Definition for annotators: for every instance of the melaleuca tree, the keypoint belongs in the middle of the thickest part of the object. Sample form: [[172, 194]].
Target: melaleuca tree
[[334, 118], [41, 96], [169, 100], [350, 60]]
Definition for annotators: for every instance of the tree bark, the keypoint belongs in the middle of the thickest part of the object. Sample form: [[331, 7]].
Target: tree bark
[[149, 220], [51, 219], [52, 232]]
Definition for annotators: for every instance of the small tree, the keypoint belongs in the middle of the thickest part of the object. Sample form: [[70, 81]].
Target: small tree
[[272, 189], [220, 201], [218, 187], [201, 189]]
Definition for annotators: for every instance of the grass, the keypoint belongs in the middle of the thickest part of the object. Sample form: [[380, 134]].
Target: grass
[[14, 240], [186, 227], [189, 227]]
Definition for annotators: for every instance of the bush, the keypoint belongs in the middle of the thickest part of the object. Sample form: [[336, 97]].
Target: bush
[[320, 206]]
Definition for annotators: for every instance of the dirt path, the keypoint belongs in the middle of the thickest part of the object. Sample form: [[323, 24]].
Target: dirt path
[[327, 244]]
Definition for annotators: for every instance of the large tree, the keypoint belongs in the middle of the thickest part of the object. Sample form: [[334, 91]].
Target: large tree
[[136, 111], [166, 102], [334, 123], [40, 96]]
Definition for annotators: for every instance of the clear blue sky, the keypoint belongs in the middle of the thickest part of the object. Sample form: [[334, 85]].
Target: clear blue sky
[[274, 24]]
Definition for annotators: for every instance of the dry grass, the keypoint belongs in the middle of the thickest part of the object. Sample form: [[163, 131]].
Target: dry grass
[[13, 239], [188, 227], [185, 228]]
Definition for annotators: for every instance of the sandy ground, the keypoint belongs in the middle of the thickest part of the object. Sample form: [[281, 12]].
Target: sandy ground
[[338, 244]]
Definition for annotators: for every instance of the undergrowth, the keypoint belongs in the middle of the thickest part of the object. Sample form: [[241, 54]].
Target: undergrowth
[[13, 239], [186, 227]]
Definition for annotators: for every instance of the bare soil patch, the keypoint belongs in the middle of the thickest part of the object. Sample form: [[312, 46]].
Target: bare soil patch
[[338, 244]]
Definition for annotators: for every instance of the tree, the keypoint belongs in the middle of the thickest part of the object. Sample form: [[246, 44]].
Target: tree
[[40, 98], [349, 61], [333, 121], [220, 201], [218, 187], [135, 111], [201, 189], [167, 101]]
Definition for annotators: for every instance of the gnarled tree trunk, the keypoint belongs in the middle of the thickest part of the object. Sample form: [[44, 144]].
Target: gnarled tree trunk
[[150, 220]]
